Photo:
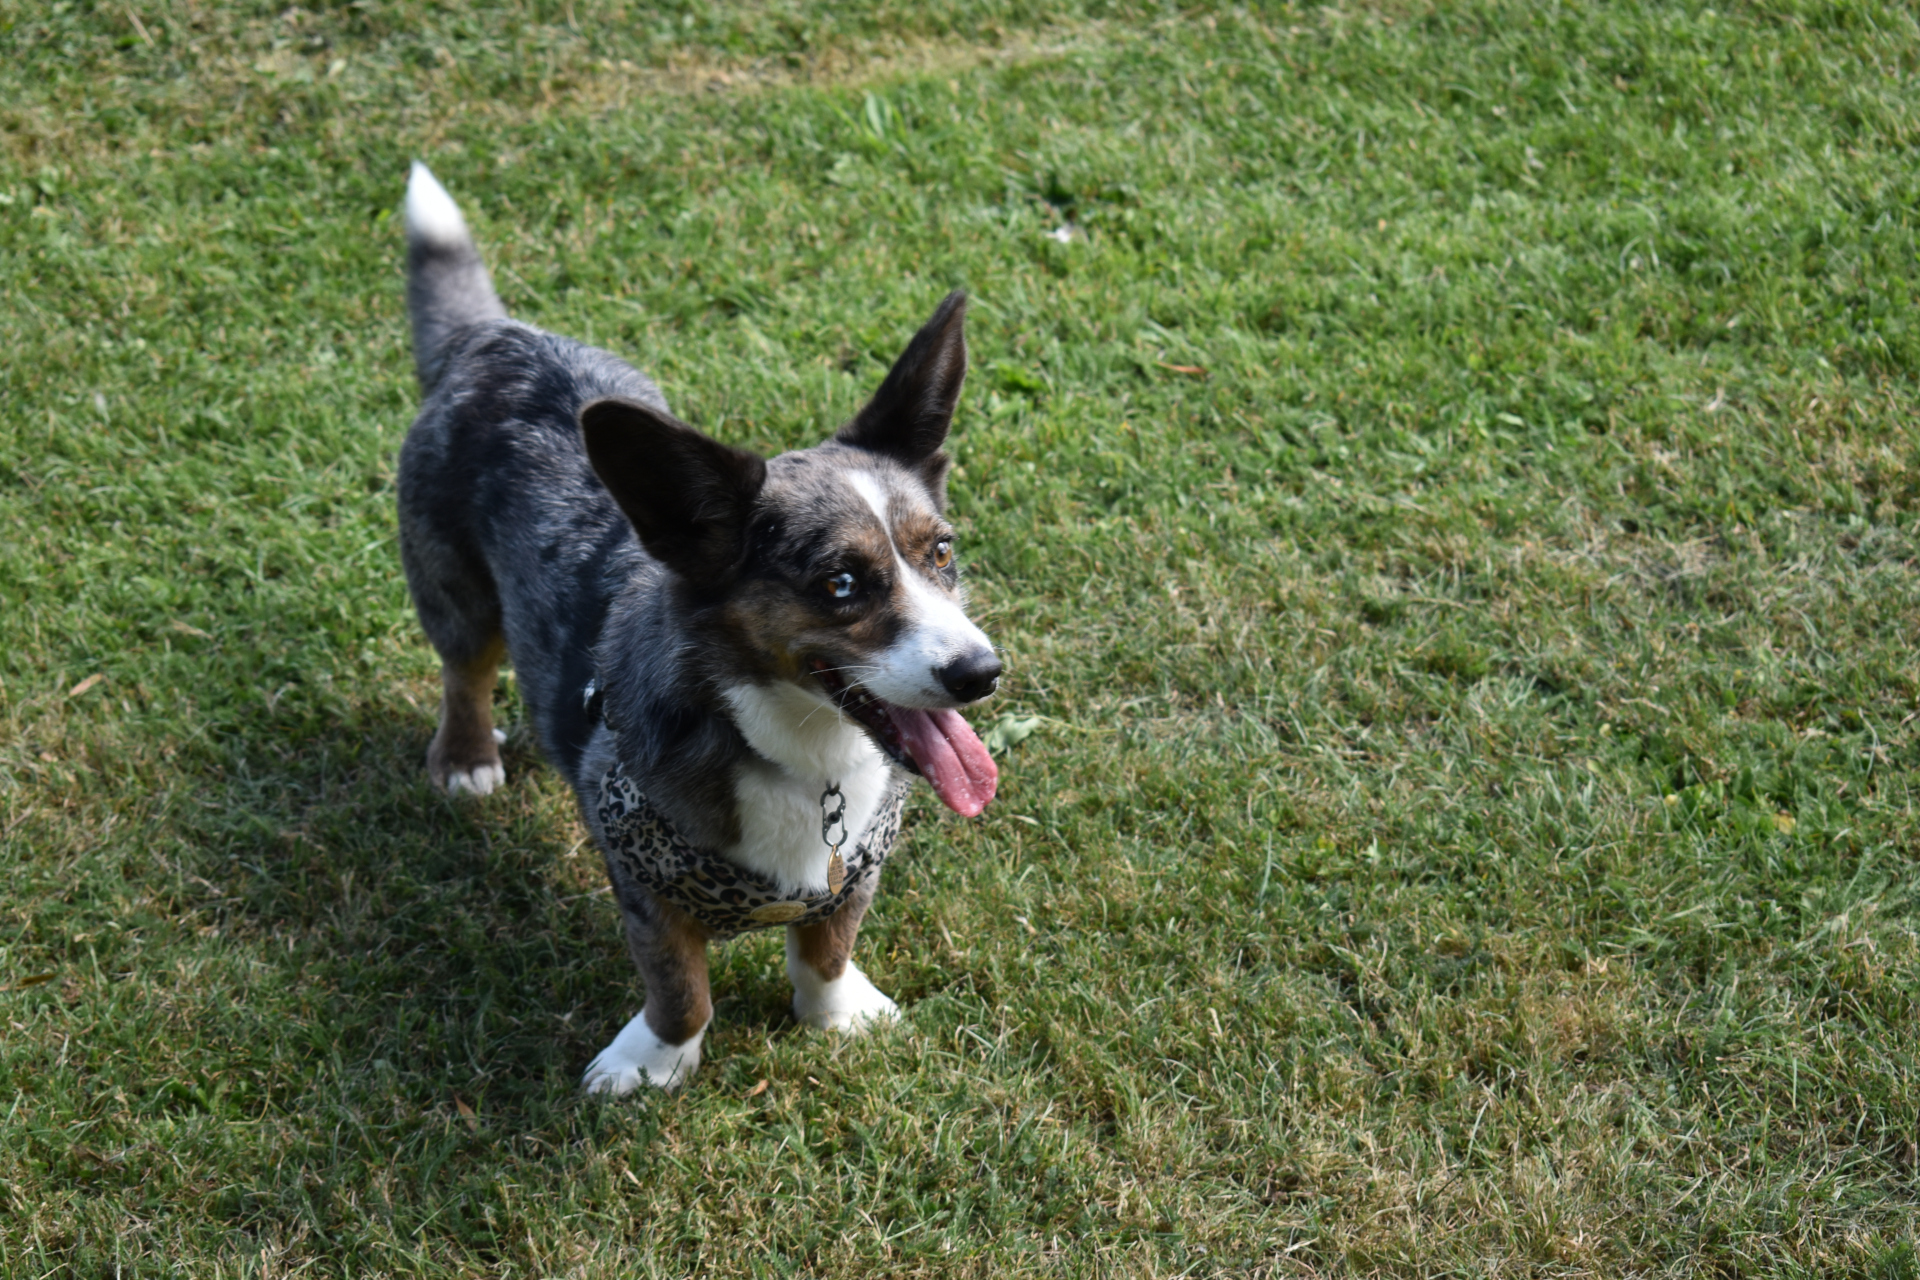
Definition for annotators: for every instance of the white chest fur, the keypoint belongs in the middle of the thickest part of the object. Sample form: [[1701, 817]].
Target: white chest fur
[[804, 744]]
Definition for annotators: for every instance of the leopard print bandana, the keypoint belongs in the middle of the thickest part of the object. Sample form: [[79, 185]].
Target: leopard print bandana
[[722, 895]]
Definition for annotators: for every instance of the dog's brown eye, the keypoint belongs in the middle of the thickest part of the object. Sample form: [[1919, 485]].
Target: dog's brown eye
[[943, 553], [840, 586]]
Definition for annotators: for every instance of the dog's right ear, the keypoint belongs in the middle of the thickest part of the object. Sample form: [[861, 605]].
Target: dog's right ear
[[687, 496]]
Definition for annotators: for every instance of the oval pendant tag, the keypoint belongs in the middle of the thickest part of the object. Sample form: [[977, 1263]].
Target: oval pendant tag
[[777, 912]]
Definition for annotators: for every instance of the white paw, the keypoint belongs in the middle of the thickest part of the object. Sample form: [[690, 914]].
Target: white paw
[[848, 1003], [480, 780], [500, 735], [637, 1056]]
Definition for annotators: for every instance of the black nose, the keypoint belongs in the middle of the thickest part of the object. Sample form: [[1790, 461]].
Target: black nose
[[971, 676]]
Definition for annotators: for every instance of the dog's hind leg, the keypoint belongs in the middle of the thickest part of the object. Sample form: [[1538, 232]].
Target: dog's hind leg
[[661, 1045], [459, 609], [829, 991], [465, 754]]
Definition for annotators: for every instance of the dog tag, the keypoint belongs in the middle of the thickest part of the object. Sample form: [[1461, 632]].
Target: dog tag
[[836, 872], [777, 912]]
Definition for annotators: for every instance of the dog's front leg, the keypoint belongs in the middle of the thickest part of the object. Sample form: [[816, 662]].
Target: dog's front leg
[[829, 991], [661, 1045]]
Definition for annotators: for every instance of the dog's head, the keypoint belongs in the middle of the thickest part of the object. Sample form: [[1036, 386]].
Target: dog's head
[[831, 568]]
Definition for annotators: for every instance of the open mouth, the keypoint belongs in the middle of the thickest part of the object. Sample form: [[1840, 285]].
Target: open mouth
[[868, 711], [939, 745]]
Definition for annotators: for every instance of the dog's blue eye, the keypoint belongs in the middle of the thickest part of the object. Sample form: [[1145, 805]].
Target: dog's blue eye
[[840, 586]]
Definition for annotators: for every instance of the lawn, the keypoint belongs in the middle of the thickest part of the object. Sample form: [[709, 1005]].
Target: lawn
[[1444, 477]]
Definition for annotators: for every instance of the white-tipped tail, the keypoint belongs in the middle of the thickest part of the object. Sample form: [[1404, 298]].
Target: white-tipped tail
[[432, 216], [447, 286]]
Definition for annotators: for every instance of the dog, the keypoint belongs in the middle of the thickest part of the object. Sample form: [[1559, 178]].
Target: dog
[[737, 663]]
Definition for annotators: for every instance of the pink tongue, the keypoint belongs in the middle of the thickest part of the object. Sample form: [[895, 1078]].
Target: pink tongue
[[951, 755]]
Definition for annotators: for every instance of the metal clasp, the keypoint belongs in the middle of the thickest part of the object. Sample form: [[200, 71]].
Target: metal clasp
[[833, 833], [834, 818]]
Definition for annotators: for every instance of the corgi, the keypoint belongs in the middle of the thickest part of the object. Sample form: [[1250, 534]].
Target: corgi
[[739, 664]]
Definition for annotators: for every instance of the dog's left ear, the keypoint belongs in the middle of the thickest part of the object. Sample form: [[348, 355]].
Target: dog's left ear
[[908, 417]]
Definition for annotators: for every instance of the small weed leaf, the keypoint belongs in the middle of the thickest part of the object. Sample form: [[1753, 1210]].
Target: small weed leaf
[[1010, 731], [847, 171]]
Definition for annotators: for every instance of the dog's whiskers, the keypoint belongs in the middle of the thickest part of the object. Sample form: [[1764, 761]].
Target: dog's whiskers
[[834, 702], [852, 666]]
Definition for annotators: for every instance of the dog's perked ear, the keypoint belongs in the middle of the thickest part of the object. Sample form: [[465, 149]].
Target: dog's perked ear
[[687, 496], [908, 417]]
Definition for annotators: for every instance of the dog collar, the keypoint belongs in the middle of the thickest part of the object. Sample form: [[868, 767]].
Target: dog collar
[[727, 898]]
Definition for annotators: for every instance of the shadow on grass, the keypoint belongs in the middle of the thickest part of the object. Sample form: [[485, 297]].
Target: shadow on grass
[[418, 946]]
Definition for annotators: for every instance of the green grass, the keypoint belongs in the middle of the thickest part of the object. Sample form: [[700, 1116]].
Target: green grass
[[1472, 830]]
